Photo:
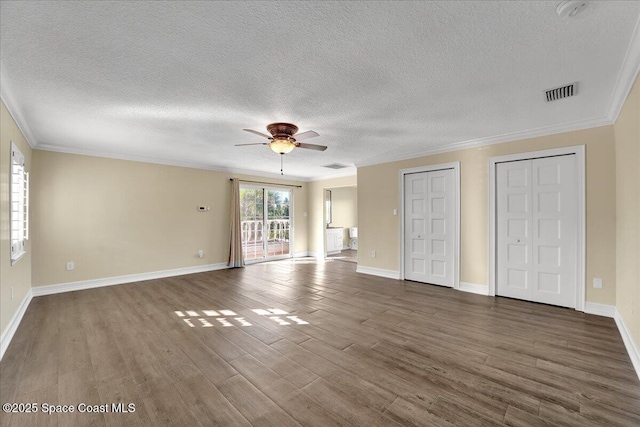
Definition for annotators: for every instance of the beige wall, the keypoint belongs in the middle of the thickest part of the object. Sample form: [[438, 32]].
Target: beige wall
[[378, 195], [116, 217], [344, 210], [17, 276], [627, 131], [316, 210]]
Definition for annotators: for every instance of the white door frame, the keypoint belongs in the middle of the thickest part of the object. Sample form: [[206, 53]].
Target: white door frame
[[456, 250], [579, 152]]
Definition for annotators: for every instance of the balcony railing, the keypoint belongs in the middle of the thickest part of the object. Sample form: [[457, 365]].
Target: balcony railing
[[276, 235]]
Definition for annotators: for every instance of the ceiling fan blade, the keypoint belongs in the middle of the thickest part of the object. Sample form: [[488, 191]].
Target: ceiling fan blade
[[305, 135], [257, 133], [312, 146], [258, 143]]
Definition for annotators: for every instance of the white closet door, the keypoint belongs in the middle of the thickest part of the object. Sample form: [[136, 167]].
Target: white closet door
[[415, 223], [537, 230], [430, 227], [441, 227], [555, 213], [514, 229]]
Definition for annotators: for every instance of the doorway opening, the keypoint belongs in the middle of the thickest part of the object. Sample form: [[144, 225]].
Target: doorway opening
[[341, 223]]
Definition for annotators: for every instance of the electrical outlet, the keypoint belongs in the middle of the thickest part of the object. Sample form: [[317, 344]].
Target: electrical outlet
[[373, 254], [12, 294], [395, 212], [597, 283], [70, 266], [200, 253]]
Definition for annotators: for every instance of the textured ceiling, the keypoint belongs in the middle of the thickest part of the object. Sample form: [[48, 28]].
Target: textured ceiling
[[175, 82]]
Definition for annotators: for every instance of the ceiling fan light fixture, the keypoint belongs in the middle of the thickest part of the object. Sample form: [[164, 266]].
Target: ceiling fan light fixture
[[282, 146]]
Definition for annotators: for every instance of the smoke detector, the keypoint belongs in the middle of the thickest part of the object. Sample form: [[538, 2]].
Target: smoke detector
[[570, 8]]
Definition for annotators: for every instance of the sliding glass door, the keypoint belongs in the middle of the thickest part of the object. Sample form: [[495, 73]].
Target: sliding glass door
[[252, 220], [266, 223], [278, 222]]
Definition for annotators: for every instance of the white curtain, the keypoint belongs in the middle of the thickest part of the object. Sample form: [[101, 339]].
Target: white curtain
[[236, 258]]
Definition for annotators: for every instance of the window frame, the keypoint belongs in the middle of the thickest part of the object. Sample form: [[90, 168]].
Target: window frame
[[18, 243]]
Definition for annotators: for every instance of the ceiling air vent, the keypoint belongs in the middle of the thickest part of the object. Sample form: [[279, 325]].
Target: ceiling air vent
[[562, 92], [335, 166]]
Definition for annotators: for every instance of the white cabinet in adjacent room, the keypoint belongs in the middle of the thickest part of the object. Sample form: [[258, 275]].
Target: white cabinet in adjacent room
[[334, 240]]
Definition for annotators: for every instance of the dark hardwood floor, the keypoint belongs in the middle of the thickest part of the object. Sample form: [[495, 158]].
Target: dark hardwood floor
[[348, 255], [301, 343]]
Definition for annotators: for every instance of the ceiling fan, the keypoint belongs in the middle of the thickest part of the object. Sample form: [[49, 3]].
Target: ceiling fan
[[284, 138]]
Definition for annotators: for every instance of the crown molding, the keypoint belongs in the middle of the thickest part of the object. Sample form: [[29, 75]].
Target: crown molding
[[624, 82], [157, 161], [627, 76], [498, 139], [473, 143], [12, 106]]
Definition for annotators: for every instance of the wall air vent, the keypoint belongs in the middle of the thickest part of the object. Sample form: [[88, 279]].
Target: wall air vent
[[335, 166], [562, 92]]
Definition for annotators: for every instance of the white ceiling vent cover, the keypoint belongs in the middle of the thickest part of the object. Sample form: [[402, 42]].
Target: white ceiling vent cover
[[335, 166], [562, 92]]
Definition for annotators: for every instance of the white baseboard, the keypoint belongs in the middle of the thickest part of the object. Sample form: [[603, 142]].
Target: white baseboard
[[7, 334], [119, 280], [600, 309], [389, 274], [474, 288], [629, 343], [315, 254], [302, 254]]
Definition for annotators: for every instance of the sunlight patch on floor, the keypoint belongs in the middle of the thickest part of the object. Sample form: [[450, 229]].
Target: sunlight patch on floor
[[199, 318]]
